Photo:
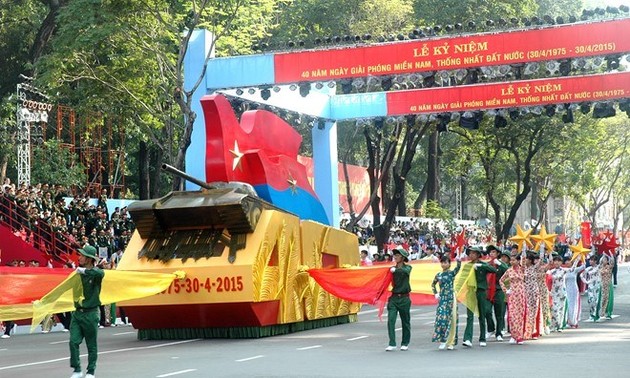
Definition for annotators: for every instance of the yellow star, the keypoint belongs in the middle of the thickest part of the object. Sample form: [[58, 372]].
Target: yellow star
[[544, 237], [521, 238], [292, 184], [237, 157], [579, 251]]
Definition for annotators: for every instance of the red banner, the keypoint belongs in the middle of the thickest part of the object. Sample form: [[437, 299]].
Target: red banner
[[513, 94], [586, 234], [489, 49]]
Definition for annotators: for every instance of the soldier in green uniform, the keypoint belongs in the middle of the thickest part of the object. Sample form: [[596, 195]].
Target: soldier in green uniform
[[496, 297], [86, 316], [481, 270], [399, 302]]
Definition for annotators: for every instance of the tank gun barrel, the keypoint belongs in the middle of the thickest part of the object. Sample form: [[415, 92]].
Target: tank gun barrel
[[176, 172]]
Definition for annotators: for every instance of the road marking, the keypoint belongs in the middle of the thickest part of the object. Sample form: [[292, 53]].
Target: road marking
[[124, 333], [58, 342], [357, 338], [367, 311], [309, 347], [175, 373], [250, 358], [427, 323], [104, 352], [398, 329], [2, 350]]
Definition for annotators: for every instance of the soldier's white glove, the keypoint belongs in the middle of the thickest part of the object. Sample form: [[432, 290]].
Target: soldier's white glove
[[392, 269], [508, 292], [477, 265], [496, 261], [437, 297], [80, 270]]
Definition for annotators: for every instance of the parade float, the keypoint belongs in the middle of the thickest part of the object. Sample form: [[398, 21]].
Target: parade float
[[244, 241]]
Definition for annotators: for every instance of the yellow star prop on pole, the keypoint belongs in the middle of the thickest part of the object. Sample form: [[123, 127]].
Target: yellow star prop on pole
[[237, 157], [521, 238], [579, 252], [544, 237]]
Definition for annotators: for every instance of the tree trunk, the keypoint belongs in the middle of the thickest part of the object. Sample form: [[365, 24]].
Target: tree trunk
[[143, 170], [533, 203], [47, 29], [4, 163], [155, 171], [433, 169], [509, 221], [184, 143], [402, 204], [417, 205]]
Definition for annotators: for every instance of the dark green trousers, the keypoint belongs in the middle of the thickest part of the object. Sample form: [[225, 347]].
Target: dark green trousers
[[84, 325], [498, 307], [399, 306], [482, 306]]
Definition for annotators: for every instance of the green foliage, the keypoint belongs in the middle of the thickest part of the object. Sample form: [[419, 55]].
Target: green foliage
[[309, 19], [54, 164], [435, 211], [19, 21], [564, 8], [453, 11], [7, 126], [125, 58]]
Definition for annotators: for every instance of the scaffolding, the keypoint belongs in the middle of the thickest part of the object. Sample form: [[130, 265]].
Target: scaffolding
[[31, 113], [99, 144]]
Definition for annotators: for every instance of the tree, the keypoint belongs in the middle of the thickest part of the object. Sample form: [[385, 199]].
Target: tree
[[506, 156], [52, 163], [126, 57], [600, 166], [310, 19], [391, 147], [454, 11], [20, 30]]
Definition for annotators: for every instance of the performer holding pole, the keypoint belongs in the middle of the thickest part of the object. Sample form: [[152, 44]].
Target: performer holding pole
[[496, 296], [481, 270], [446, 313], [86, 317], [399, 302]]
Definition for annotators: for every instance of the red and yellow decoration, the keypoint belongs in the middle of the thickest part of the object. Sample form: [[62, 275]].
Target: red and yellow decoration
[[607, 243], [543, 238], [521, 238], [372, 284], [22, 301], [579, 252]]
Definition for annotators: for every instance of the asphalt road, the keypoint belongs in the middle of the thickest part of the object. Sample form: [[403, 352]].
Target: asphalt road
[[351, 350]]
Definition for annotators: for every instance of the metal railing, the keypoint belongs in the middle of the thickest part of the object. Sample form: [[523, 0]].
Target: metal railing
[[38, 233]]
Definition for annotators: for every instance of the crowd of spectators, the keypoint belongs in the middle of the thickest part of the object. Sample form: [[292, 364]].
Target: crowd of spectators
[[44, 215], [422, 238]]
